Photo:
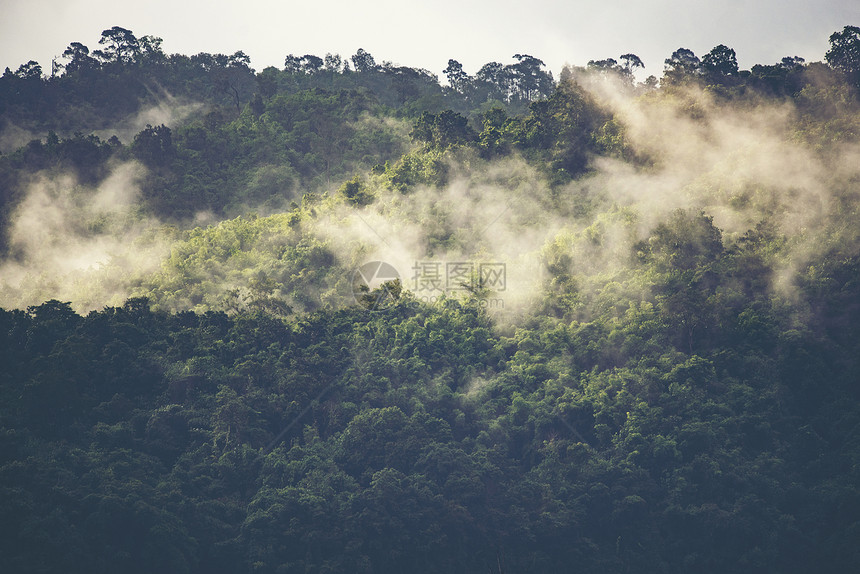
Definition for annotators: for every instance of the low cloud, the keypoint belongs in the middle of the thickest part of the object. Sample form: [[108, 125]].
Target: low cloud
[[741, 162], [78, 244]]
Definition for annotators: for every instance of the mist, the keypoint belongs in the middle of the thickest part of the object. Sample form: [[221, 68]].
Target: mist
[[167, 110], [78, 244], [741, 162]]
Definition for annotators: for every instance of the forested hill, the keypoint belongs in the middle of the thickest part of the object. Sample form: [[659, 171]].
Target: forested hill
[[344, 317]]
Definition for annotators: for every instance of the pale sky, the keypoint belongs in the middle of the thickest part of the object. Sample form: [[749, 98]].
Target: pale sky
[[427, 34]]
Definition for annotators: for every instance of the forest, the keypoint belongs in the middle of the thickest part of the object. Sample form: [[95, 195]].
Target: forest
[[347, 316]]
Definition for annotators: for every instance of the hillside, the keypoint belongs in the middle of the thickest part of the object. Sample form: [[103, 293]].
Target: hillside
[[344, 317]]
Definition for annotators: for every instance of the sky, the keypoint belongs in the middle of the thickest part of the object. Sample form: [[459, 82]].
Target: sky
[[428, 34]]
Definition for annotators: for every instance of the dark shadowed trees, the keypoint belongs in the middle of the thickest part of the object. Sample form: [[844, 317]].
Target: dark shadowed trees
[[720, 63], [844, 52], [79, 58], [120, 46]]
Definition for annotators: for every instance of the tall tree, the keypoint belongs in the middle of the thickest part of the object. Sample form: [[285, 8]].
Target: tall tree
[[363, 61], [631, 62], [121, 46], [404, 81], [607, 65], [844, 52], [154, 145], [720, 62], [311, 64], [234, 75], [682, 65], [150, 49], [292, 64], [611, 67], [494, 81], [333, 63], [529, 81], [79, 56], [458, 79]]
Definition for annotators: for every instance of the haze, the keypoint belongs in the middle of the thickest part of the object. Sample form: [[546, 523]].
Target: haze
[[428, 34]]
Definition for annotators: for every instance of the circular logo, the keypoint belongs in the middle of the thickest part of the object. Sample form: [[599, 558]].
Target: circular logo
[[376, 285]]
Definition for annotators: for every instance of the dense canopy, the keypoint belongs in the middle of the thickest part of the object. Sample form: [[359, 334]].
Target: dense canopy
[[343, 317]]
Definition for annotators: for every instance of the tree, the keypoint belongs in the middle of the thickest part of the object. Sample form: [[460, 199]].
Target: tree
[[150, 49], [355, 192], [631, 62], [443, 130], [682, 65], [844, 52], [610, 66], [457, 78], [233, 75], [684, 251], [154, 145], [494, 81], [29, 71], [267, 82], [239, 60], [607, 65], [561, 127], [121, 46], [403, 80], [720, 62], [362, 61], [496, 136], [784, 77], [311, 64], [791, 63], [333, 63], [292, 64], [684, 242], [79, 56], [528, 81], [307, 64]]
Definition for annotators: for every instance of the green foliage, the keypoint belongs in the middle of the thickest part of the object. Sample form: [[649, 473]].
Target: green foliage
[[720, 62], [154, 146], [419, 438], [355, 191], [498, 134], [680, 396], [246, 264], [443, 130], [559, 130], [418, 168], [844, 52], [682, 66]]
